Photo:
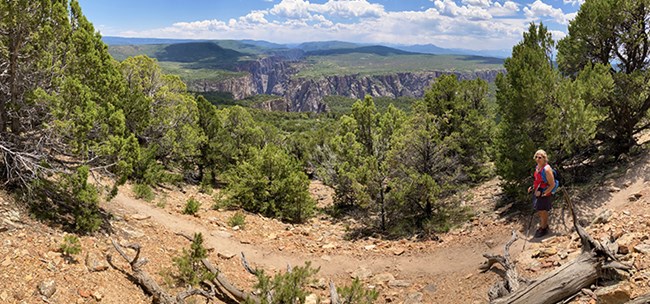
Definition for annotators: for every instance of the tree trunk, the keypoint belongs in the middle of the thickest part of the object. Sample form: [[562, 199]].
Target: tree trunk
[[559, 284]]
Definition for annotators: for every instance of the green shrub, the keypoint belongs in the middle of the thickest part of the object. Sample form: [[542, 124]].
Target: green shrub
[[143, 191], [272, 183], [356, 294], [70, 246], [191, 207], [285, 287], [189, 266], [237, 219]]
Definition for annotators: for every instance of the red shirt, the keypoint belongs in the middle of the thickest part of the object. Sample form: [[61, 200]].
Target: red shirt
[[539, 183]]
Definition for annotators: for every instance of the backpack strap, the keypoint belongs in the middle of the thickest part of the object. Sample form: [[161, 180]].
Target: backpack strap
[[543, 174]]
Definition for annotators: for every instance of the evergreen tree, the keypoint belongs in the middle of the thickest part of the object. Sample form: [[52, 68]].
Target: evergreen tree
[[270, 182], [613, 33], [523, 94], [361, 171]]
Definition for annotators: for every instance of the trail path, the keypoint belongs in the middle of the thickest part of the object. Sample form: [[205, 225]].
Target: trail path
[[453, 259]]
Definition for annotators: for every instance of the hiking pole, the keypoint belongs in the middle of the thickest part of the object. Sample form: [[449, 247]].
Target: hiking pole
[[530, 221]]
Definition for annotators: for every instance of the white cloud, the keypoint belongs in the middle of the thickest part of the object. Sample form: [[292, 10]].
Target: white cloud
[[292, 9], [508, 8], [540, 9], [479, 3], [557, 35], [350, 8], [574, 2], [473, 24], [450, 8]]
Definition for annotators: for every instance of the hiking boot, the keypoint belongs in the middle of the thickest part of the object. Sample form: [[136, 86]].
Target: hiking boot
[[541, 232]]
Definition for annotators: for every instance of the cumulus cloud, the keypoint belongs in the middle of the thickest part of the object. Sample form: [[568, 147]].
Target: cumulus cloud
[[508, 8], [540, 9], [574, 2], [480, 3], [473, 24], [450, 8]]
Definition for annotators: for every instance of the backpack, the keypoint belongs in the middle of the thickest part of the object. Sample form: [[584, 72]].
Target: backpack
[[556, 176]]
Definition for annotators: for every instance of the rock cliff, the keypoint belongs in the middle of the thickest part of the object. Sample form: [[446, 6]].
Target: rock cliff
[[274, 76]]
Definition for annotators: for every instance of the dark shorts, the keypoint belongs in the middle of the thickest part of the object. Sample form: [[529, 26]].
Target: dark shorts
[[543, 203]]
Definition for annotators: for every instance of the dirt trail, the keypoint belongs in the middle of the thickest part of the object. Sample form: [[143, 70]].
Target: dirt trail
[[453, 259]]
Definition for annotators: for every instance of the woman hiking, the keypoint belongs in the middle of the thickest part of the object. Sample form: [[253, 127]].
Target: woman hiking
[[544, 186]]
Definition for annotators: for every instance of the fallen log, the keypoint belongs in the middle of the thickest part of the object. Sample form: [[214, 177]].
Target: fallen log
[[557, 285], [643, 299]]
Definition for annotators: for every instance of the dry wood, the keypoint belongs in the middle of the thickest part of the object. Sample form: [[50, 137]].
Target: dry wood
[[643, 299]]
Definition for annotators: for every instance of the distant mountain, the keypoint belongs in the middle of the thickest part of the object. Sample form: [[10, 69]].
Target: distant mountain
[[111, 40], [326, 45], [434, 49], [374, 49]]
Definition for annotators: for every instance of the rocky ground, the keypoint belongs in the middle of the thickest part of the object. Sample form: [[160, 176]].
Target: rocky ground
[[433, 270]]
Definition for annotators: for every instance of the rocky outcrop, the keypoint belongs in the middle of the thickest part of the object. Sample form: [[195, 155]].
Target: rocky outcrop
[[273, 76]]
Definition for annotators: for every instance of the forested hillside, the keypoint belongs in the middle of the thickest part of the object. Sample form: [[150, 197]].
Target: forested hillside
[[70, 113]]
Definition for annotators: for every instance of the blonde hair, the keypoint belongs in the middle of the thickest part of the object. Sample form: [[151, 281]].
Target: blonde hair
[[541, 153]]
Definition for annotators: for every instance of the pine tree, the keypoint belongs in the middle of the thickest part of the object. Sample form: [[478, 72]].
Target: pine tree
[[613, 33], [272, 183]]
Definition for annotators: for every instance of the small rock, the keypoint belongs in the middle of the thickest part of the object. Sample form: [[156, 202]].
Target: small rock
[[362, 273], [329, 246], [619, 293], [222, 234], [643, 248], [97, 296], [626, 243], [490, 243], [429, 289], [235, 228], [398, 283], [544, 252], [613, 189], [382, 278], [638, 195], [272, 236], [84, 293], [46, 288], [369, 247], [414, 298], [603, 217], [226, 255], [632, 198], [140, 217], [93, 264], [398, 251], [326, 258], [4, 296], [311, 299]]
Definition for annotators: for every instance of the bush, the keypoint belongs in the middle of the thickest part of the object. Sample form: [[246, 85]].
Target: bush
[[272, 183], [356, 294], [143, 191], [285, 287], [237, 219], [70, 246], [191, 207], [189, 266]]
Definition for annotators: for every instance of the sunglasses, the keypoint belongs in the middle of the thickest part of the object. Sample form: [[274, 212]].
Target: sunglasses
[[538, 157]]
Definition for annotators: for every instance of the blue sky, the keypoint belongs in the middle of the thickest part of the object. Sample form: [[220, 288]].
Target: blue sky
[[470, 24]]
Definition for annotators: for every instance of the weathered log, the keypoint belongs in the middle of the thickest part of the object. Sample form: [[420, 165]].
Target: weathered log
[[643, 299], [560, 284]]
